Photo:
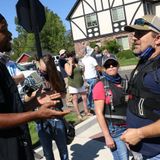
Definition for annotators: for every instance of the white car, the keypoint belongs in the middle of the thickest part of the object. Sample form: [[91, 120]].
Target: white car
[[32, 74]]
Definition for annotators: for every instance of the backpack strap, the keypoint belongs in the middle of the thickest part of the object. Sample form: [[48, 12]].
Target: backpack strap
[[108, 93]]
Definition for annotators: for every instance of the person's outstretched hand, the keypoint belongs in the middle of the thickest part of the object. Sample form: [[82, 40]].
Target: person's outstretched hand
[[46, 110], [47, 97]]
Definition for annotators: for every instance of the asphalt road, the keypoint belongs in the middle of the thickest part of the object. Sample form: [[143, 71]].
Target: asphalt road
[[125, 73]]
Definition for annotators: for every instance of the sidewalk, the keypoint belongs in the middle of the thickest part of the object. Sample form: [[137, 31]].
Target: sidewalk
[[87, 145]]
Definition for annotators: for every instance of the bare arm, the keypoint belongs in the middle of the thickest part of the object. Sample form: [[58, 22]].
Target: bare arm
[[134, 135], [69, 67], [15, 119], [18, 78], [99, 107]]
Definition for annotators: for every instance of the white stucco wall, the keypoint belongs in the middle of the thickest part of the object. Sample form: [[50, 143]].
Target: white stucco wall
[[77, 33], [105, 21]]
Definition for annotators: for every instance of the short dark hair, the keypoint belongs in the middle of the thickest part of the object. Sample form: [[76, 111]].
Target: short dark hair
[[1, 17], [70, 54]]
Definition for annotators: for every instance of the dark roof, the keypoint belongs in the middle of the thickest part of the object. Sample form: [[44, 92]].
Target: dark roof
[[72, 10]]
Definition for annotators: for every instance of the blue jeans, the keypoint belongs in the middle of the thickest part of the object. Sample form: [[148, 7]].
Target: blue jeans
[[45, 136], [91, 83], [138, 156], [121, 151]]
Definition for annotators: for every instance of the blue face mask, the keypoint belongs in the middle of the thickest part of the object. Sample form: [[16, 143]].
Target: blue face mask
[[145, 54]]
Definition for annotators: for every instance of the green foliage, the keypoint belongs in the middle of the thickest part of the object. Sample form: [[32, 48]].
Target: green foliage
[[125, 54], [93, 44], [53, 33], [53, 37], [69, 44], [130, 61], [112, 46]]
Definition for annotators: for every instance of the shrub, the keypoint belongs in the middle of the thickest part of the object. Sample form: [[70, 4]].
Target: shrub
[[112, 46], [92, 44]]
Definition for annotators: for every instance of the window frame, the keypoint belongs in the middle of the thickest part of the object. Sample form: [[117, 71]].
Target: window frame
[[115, 9], [121, 43], [87, 20]]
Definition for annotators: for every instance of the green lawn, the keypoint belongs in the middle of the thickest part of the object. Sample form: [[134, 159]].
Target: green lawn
[[126, 62], [33, 132]]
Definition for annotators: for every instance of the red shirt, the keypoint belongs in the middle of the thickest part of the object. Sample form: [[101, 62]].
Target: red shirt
[[99, 93]]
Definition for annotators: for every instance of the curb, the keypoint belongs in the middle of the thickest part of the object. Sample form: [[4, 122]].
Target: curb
[[85, 125]]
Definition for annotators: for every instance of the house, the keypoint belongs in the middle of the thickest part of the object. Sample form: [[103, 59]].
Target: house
[[100, 20], [23, 58]]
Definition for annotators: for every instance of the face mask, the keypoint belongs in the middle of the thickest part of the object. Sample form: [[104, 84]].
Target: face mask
[[44, 75], [146, 54]]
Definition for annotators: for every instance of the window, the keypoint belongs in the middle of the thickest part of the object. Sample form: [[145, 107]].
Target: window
[[123, 41], [91, 20], [118, 14]]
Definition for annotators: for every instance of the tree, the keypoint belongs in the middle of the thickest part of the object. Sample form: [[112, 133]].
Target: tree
[[53, 36], [53, 33], [25, 42], [69, 45]]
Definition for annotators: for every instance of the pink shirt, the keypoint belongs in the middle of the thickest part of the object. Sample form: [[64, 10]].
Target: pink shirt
[[99, 93]]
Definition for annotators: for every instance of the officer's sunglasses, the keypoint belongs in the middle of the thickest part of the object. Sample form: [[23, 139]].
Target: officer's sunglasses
[[110, 63], [142, 22]]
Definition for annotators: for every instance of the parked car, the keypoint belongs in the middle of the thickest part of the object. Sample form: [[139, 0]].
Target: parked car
[[28, 65]]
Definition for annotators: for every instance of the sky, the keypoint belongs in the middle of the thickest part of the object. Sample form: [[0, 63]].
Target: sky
[[60, 7]]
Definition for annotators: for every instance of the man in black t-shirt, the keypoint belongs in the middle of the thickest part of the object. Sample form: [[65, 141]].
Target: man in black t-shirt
[[62, 62]]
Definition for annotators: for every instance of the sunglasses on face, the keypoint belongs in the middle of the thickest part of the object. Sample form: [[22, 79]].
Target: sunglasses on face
[[110, 63], [139, 34], [142, 22]]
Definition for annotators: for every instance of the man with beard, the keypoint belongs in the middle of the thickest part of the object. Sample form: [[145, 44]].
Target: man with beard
[[14, 136], [143, 114]]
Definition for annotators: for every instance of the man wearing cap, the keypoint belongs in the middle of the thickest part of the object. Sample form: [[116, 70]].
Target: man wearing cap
[[62, 62], [14, 135], [143, 113]]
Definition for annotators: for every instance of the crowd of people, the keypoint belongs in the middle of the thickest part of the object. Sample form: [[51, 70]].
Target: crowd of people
[[127, 112]]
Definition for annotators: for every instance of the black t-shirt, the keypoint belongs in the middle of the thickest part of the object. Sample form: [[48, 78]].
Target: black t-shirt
[[62, 63], [98, 57], [15, 142]]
